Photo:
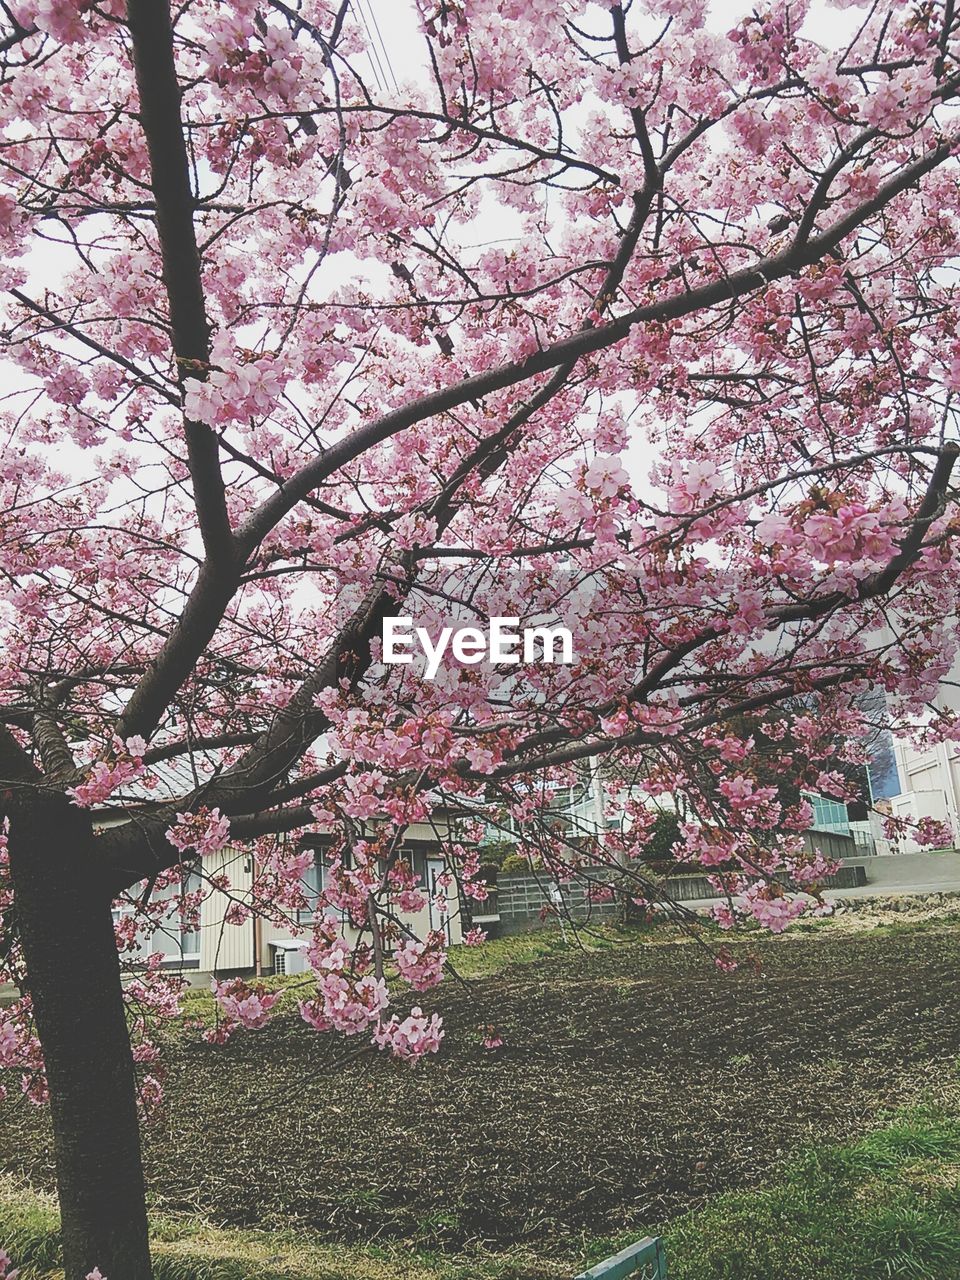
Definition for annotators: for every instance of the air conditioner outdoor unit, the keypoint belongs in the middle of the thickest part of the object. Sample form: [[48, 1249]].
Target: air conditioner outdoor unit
[[289, 957]]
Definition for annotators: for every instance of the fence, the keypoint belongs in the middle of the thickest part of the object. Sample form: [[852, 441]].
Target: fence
[[520, 901], [833, 844], [644, 1260]]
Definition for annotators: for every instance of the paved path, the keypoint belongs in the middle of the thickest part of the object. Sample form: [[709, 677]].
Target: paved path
[[902, 873], [893, 875]]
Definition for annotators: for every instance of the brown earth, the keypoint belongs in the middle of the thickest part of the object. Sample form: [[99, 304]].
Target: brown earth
[[633, 1083]]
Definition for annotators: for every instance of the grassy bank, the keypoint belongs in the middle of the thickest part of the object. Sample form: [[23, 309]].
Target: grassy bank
[[885, 1206]]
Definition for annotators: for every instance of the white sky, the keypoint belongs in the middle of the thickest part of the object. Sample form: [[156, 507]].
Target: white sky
[[396, 22]]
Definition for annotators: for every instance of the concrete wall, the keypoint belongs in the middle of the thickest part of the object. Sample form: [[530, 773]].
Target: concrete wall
[[831, 844], [913, 873]]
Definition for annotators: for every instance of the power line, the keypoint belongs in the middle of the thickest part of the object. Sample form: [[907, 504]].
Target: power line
[[372, 55], [383, 43], [379, 64]]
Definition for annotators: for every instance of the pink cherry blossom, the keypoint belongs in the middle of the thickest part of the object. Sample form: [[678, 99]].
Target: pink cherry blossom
[[245, 1006], [649, 332], [605, 477], [933, 834], [122, 762], [412, 1037], [206, 831], [421, 963]]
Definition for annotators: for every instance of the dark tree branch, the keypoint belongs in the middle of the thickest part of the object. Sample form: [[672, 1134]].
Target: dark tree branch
[[58, 762], [16, 768], [65, 326], [186, 746], [266, 764], [159, 91]]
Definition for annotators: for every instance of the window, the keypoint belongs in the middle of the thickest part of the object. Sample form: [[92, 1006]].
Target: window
[[315, 880], [563, 809], [311, 883], [178, 946], [190, 938], [829, 815]]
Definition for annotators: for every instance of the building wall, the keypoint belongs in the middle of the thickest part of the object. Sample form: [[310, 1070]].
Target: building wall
[[930, 782], [930, 778], [243, 948], [226, 947], [425, 845], [419, 923]]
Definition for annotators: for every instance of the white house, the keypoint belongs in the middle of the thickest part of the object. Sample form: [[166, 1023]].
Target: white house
[[930, 785], [930, 776], [262, 946], [258, 946]]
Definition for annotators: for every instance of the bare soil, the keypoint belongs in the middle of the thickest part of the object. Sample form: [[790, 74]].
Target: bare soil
[[633, 1083]]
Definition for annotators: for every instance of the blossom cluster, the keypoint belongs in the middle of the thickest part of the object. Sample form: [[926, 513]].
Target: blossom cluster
[[421, 963], [241, 1005], [204, 831], [768, 904], [121, 763], [932, 833], [411, 1037]]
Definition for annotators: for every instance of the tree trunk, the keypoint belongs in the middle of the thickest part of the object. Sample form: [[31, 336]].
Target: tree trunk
[[73, 974]]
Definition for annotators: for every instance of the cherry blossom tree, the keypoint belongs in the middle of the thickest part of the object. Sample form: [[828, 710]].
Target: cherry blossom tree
[[602, 314]]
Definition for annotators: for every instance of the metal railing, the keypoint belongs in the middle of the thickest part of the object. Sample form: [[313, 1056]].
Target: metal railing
[[644, 1260]]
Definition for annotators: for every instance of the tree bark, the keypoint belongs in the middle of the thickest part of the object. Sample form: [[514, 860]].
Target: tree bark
[[73, 975]]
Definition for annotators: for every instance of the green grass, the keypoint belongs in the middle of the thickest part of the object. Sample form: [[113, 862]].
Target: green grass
[[499, 954], [885, 1206], [192, 1249], [494, 957]]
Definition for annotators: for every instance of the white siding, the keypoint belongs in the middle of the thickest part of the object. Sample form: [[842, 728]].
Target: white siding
[[226, 946], [930, 782], [417, 922]]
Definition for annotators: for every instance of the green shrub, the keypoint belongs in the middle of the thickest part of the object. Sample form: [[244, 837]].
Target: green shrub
[[514, 864]]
